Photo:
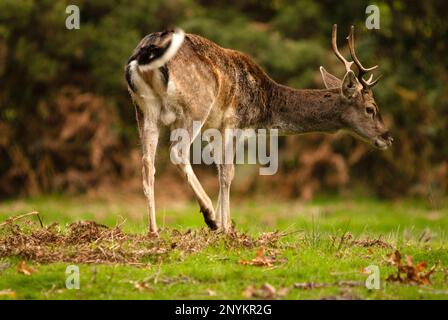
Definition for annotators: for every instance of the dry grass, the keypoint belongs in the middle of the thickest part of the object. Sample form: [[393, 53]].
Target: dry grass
[[90, 242]]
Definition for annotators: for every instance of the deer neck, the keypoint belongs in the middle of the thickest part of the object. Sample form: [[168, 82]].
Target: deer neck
[[296, 111]]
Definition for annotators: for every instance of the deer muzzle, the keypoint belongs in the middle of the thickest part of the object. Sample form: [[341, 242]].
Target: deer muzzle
[[383, 141]]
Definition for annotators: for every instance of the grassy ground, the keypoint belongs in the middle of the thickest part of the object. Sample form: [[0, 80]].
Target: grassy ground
[[321, 252]]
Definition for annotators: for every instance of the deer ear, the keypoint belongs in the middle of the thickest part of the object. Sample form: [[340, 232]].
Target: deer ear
[[330, 81], [349, 85]]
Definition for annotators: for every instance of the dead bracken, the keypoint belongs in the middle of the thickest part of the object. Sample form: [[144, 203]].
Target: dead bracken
[[90, 242], [407, 272]]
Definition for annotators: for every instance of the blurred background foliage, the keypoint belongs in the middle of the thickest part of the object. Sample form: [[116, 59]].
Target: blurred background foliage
[[67, 123]]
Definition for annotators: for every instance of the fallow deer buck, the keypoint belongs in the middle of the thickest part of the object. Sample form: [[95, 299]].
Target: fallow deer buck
[[176, 78]]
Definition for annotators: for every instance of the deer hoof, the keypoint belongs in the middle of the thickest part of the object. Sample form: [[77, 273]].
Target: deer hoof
[[153, 234], [211, 223]]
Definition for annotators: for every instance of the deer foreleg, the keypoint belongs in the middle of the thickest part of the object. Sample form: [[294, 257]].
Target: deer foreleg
[[226, 174]]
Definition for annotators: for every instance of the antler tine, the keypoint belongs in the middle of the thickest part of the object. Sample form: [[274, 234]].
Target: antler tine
[[362, 70], [347, 64], [369, 83]]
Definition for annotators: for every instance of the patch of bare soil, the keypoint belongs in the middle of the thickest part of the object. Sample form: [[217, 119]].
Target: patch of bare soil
[[90, 242]]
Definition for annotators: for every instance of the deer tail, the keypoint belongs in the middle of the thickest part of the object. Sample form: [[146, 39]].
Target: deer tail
[[159, 56]]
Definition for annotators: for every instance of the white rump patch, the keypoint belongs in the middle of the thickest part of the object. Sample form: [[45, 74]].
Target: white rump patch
[[145, 97]]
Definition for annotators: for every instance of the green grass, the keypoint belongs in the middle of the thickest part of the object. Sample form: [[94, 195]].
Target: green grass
[[306, 254]]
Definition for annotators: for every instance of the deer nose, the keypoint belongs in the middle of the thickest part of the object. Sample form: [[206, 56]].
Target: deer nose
[[387, 137]]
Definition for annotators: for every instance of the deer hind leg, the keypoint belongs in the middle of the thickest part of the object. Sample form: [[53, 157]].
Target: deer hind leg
[[180, 154], [149, 135], [226, 173]]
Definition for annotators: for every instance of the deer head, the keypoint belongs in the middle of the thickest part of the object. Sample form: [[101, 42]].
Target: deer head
[[361, 113]]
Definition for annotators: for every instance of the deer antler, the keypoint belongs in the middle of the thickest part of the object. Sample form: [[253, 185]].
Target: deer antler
[[362, 70], [348, 64]]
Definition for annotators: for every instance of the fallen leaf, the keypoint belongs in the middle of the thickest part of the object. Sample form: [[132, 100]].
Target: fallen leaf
[[260, 259], [211, 293], [266, 291], [394, 258], [421, 266], [142, 286], [409, 261], [249, 292], [282, 292], [25, 269], [366, 271], [260, 253]]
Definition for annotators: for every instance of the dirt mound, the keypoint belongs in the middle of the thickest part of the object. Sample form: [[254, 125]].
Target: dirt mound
[[90, 242]]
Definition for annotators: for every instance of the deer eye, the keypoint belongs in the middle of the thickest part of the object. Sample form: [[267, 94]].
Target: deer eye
[[370, 111]]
